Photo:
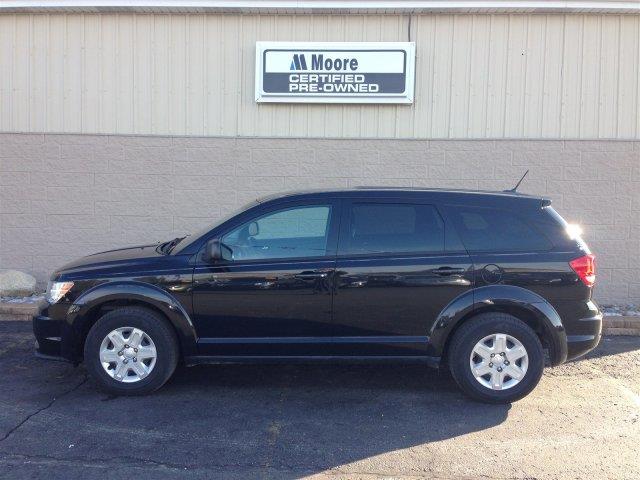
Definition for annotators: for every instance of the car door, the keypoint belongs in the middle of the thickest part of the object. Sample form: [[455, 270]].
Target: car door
[[398, 266], [271, 292]]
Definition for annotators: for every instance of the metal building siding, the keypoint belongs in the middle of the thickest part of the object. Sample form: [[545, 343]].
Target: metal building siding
[[477, 76]]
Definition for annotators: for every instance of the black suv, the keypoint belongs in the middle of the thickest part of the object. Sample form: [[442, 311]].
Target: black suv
[[483, 282]]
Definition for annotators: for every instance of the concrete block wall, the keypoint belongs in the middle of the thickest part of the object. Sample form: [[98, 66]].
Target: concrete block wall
[[62, 196]]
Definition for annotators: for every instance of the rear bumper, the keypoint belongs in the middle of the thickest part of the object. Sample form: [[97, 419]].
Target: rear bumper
[[583, 334]]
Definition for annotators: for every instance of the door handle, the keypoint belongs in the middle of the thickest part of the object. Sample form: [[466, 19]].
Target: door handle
[[449, 271], [309, 275]]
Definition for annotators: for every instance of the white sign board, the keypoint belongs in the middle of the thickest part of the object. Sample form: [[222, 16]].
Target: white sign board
[[335, 72]]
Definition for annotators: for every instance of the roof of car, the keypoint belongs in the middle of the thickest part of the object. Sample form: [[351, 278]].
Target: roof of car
[[443, 193]]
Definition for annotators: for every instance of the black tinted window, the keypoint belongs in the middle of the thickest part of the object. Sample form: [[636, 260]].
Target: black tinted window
[[388, 228], [492, 230]]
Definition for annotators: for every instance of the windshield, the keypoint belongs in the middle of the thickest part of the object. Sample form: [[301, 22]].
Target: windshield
[[194, 237]]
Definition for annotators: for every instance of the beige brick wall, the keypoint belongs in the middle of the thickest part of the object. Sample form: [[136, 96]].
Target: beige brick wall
[[62, 196]]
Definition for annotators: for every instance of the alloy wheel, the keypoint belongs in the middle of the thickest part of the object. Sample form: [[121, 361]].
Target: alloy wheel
[[128, 354], [499, 361]]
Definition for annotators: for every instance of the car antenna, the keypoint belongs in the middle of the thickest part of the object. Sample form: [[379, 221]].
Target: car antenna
[[515, 189]]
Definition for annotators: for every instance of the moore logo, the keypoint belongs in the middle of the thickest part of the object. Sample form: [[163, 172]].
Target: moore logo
[[319, 62]]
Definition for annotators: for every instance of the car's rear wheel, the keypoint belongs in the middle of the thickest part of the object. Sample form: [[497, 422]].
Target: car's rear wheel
[[496, 358], [131, 351]]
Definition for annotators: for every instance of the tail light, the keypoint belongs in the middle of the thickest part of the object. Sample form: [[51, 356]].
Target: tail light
[[585, 267]]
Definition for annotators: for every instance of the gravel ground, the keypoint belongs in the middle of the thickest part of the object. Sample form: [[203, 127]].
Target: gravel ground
[[355, 422]]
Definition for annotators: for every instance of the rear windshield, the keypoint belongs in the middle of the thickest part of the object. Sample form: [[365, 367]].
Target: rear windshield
[[556, 216], [571, 234], [496, 230]]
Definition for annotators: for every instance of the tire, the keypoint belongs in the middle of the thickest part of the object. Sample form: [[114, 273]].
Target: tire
[[159, 336], [491, 328]]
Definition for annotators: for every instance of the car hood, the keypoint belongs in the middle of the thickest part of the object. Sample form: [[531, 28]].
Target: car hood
[[129, 257]]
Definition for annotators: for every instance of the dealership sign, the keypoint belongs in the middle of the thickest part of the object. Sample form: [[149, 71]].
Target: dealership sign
[[335, 72]]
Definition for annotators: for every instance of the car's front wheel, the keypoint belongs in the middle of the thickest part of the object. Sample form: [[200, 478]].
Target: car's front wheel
[[131, 351], [496, 358]]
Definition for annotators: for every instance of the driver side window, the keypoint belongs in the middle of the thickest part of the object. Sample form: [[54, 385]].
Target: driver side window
[[289, 233]]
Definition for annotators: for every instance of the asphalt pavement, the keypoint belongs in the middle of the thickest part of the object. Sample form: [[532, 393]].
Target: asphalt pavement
[[318, 421]]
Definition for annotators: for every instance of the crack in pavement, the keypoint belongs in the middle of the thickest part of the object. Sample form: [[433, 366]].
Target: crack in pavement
[[123, 461], [131, 462], [135, 463], [42, 409]]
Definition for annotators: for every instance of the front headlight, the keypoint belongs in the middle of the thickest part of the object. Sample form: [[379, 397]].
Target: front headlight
[[57, 290]]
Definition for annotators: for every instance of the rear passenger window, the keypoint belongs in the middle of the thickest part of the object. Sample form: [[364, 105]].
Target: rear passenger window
[[492, 230], [393, 228]]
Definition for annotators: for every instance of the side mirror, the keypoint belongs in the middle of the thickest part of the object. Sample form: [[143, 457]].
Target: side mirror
[[212, 251], [254, 229]]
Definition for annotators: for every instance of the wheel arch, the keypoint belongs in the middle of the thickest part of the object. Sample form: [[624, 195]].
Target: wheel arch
[[523, 304], [92, 304]]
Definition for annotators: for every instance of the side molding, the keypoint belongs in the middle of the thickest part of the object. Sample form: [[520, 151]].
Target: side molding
[[143, 293], [500, 298]]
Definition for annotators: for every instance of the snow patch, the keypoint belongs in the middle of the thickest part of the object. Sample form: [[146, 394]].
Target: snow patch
[[22, 300], [627, 310]]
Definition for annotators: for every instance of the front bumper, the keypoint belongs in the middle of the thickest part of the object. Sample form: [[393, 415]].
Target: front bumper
[[52, 333], [48, 333]]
